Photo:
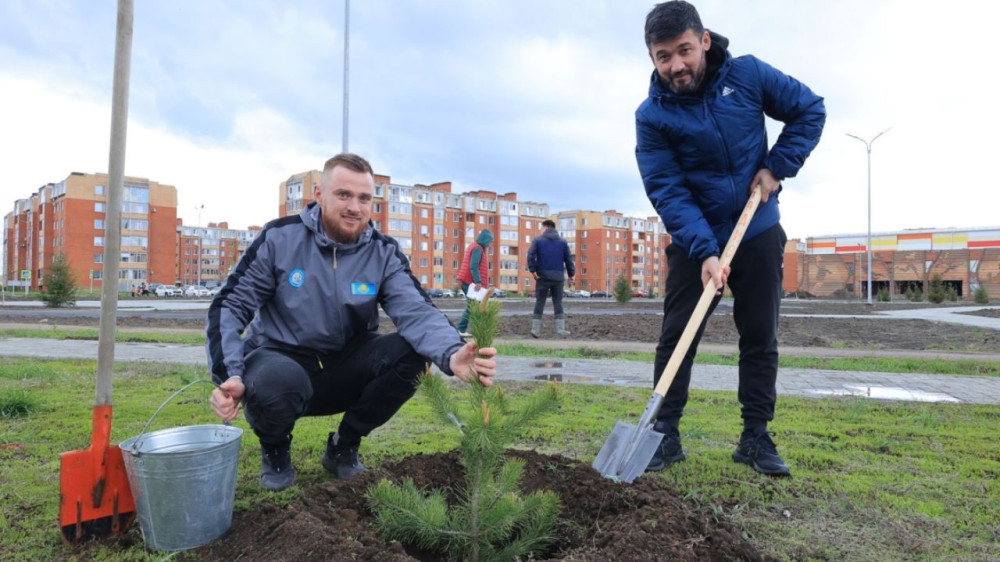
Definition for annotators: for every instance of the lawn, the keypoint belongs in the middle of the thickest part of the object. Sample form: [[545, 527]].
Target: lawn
[[872, 480]]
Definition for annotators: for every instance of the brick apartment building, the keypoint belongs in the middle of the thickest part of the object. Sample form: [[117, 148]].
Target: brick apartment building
[[215, 249], [69, 217], [433, 226]]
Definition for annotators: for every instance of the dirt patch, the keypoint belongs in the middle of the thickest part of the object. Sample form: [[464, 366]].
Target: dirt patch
[[600, 520], [860, 333], [639, 320], [987, 312]]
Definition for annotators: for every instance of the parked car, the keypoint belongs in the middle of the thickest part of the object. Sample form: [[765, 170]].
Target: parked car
[[168, 291], [448, 293], [499, 293], [436, 293], [196, 291], [600, 294], [214, 290], [639, 293], [583, 293]]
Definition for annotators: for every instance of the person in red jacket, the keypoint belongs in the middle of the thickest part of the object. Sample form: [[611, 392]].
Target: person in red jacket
[[474, 272]]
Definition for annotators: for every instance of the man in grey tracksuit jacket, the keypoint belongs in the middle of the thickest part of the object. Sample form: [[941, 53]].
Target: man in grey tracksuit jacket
[[294, 330]]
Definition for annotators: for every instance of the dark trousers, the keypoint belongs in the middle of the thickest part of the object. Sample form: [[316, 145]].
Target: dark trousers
[[368, 382], [463, 323], [755, 281], [545, 287]]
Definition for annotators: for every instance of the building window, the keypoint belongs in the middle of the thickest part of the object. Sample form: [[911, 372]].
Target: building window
[[99, 224], [98, 206], [98, 190], [98, 240]]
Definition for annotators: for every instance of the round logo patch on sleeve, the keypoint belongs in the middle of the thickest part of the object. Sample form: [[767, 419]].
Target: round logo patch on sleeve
[[296, 278]]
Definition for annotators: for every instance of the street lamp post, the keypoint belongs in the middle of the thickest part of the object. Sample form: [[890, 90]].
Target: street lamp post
[[198, 261], [347, 50], [868, 246]]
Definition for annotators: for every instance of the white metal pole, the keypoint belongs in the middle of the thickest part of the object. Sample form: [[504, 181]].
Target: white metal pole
[[347, 50], [868, 246], [199, 208]]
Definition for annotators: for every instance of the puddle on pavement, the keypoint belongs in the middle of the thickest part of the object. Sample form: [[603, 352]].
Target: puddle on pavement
[[547, 365], [888, 393], [585, 379]]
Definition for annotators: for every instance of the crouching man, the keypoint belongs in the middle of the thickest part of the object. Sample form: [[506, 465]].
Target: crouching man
[[294, 330]]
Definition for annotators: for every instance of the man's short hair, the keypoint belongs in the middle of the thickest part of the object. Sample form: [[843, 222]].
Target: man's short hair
[[547, 223], [352, 162], [671, 19]]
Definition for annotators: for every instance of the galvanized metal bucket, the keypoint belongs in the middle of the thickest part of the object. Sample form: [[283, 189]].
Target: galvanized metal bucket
[[183, 480]]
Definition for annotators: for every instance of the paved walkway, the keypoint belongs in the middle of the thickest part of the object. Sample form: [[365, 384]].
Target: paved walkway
[[791, 382]]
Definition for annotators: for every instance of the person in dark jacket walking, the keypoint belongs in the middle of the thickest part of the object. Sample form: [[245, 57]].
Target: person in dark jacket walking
[[548, 257], [701, 147], [294, 330], [474, 272]]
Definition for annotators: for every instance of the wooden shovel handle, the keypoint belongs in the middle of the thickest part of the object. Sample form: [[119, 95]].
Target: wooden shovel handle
[[670, 371]]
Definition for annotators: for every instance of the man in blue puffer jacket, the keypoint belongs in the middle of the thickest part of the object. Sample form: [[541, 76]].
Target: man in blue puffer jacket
[[548, 257], [701, 147]]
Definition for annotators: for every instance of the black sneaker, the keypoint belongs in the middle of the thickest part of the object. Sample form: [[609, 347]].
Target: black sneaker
[[669, 451], [276, 470], [342, 461], [758, 451]]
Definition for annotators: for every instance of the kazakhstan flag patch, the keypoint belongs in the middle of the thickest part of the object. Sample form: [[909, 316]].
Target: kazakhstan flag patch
[[364, 288]]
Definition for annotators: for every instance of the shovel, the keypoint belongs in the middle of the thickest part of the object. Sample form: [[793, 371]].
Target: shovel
[[95, 499], [627, 452]]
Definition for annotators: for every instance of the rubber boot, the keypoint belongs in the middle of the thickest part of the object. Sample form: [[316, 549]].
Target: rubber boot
[[536, 327], [561, 327]]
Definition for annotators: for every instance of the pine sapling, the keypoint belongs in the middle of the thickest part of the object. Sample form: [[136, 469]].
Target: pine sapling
[[492, 519]]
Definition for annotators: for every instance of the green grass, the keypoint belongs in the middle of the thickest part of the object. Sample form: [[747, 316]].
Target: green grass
[[56, 332], [872, 480], [864, 364]]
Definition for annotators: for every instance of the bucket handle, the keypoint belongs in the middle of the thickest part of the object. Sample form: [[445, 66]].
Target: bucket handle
[[135, 443]]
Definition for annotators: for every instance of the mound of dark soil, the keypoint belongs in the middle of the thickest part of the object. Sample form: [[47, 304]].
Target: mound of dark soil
[[600, 520]]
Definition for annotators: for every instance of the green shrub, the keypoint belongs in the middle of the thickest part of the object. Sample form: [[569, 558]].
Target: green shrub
[[883, 295], [60, 284], [622, 290], [981, 296], [937, 291], [914, 295]]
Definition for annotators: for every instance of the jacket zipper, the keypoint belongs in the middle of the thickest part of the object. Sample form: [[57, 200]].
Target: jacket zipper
[[725, 156]]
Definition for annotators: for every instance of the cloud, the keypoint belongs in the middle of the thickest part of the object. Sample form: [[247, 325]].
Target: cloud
[[229, 99], [236, 178]]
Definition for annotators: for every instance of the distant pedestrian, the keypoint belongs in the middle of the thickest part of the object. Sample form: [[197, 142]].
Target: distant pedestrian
[[474, 272], [548, 257]]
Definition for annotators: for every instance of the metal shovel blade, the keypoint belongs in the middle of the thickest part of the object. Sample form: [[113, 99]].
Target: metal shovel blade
[[627, 452]]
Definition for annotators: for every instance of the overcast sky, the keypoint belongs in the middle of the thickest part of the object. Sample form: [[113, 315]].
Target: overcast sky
[[229, 98]]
